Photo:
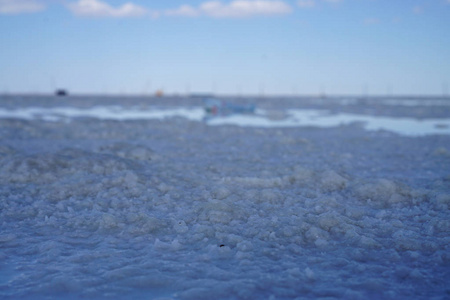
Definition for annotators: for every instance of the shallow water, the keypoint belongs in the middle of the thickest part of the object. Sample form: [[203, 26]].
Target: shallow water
[[120, 205]]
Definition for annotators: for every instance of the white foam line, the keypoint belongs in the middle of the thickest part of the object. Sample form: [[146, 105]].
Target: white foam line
[[294, 118], [102, 112], [321, 118]]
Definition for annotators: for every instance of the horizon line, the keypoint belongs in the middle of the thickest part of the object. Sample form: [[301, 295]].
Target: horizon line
[[226, 95]]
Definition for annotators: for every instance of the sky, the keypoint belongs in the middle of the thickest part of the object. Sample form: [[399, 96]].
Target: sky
[[239, 47]]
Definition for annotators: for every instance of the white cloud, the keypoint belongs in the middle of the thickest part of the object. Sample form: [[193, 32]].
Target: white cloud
[[306, 3], [234, 9], [20, 6], [96, 8], [244, 8], [184, 10]]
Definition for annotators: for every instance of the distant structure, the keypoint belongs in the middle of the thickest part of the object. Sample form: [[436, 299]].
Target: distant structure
[[159, 93], [201, 95], [61, 93]]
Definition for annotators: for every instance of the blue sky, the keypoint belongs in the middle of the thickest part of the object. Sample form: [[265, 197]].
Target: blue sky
[[226, 47]]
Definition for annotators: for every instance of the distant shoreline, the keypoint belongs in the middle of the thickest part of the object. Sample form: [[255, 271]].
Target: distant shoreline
[[232, 96]]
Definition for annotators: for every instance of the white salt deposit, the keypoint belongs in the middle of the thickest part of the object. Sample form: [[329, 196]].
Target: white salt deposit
[[291, 118], [108, 203], [102, 112]]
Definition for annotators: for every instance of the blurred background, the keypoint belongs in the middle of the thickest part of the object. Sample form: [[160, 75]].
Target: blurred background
[[240, 47]]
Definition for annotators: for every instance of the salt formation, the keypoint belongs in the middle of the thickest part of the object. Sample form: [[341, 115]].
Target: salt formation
[[177, 209]]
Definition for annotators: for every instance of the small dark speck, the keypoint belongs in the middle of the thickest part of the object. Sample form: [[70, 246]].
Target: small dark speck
[[222, 245]]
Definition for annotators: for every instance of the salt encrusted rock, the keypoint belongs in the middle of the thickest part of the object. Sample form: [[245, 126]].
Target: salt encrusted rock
[[441, 151], [221, 193], [332, 181], [310, 274], [108, 221], [181, 227], [329, 220], [383, 193], [443, 200], [130, 151]]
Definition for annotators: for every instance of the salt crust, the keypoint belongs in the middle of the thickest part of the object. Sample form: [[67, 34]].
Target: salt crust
[[89, 206], [179, 210]]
